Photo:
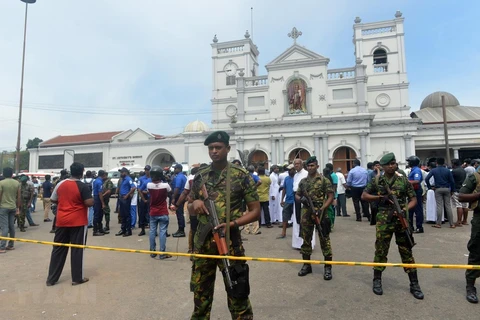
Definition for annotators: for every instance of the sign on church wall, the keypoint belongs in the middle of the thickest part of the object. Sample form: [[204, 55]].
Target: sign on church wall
[[90, 160], [341, 94]]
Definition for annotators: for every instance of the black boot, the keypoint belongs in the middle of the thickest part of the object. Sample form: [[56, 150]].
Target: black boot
[[471, 291], [377, 282], [179, 234], [107, 226], [327, 271], [96, 231], [142, 233], [414, 286], [101, 229], [307, 267], [120, 233]]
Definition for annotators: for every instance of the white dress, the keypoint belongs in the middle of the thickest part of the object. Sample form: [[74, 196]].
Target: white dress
[[297, 241], [275, 208], [431, 203]]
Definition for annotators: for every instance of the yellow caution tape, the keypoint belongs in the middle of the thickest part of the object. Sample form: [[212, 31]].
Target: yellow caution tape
[[209, 256]]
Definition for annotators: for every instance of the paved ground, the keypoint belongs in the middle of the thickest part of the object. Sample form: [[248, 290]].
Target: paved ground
[[135, 286]]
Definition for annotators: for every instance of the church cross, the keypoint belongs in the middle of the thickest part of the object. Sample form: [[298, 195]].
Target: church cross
[[294, 34]]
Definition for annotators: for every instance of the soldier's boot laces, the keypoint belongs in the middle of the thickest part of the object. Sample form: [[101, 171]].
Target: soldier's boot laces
[[377, 282], [327, 272], [307, 267], [471, 291], [414, 286]]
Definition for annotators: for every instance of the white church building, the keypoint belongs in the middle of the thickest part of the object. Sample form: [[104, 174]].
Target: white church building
[[301, 107]]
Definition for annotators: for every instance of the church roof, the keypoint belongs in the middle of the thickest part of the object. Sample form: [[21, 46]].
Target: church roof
[[434, 100], [88, 138], [296, 56], [434, 115]]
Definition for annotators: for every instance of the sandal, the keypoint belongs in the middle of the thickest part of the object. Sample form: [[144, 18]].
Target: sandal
[[465, 223], [437, 226], [453, 226], [281, 237], [458, 224]]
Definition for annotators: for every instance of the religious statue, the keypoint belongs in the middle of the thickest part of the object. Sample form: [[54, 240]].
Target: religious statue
[[297, 97]]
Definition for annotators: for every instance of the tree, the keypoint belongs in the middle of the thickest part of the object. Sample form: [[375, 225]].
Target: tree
[[33, 143]]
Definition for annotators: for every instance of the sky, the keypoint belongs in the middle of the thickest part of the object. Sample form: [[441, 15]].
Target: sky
[[105, 65]]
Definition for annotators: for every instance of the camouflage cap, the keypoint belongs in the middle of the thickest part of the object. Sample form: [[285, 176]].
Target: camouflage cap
[[217, 136], [386, 159], [312, 159]]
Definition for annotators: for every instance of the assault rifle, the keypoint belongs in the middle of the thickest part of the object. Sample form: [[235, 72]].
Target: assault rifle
[[318, 216], [219, 238], [403, 220]]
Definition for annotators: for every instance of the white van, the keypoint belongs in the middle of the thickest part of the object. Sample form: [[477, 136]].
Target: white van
[[114, 174]]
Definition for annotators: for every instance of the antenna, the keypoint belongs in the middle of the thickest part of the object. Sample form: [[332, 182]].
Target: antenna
[[251, 21]]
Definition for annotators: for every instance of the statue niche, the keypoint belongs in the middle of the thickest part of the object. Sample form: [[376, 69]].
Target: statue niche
[[297, 97]]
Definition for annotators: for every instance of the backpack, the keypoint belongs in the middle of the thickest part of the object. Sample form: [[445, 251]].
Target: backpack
[[89, 184]]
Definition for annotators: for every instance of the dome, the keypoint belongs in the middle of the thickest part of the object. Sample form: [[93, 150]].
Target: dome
[[434, 100], [196, 126]]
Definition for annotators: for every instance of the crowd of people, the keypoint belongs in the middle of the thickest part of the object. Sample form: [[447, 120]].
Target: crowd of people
[[294, 195]]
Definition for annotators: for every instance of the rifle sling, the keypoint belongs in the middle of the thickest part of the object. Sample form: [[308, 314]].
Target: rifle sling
[[227, 205]]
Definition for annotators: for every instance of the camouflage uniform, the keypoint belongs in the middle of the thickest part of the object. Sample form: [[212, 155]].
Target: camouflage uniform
[[317, 188], [470, 186], [107, 185], [26, 193], [403, 190], [204, 270]]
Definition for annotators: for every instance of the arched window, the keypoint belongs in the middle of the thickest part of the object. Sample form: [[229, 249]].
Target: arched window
[[380, 62]]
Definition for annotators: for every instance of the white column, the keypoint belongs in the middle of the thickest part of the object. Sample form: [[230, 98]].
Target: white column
[[363, 148], [316, 145], [324, 152], [240, 144], [281, 150], [273, 152], [186, 154], [408, 145], [455, 154]]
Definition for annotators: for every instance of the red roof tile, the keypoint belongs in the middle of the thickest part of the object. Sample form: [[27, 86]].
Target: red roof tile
[[158, 136], [88, 138]]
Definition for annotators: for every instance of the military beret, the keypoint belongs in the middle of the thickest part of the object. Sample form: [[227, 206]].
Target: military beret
[[312, 159], [386, 159], [217, 136]]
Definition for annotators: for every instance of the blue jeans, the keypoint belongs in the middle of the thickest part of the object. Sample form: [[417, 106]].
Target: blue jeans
[[90, 216], [34, 202], [7, 218], [29, 216], [133, 213], [162, 223]]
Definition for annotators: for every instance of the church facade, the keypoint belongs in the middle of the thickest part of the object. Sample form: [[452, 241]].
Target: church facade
[[301, 107]]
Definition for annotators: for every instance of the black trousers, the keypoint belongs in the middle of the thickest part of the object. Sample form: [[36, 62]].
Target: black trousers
[[143, 213], [298, 210], [356, 197], [125, 214], [266, 212], [73, 235], [97, 210]]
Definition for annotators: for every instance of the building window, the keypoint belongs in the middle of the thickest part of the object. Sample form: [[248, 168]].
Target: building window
[[231, 80], [380, 63]]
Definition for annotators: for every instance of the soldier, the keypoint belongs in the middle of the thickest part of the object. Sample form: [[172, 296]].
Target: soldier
[[26, 193], [319, 190], [215, 178], [379, 189], [470, 192], [105, 198]]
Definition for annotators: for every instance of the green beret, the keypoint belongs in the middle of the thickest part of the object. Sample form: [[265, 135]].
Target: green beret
[[312, 159], [217, 136], [386, 159]]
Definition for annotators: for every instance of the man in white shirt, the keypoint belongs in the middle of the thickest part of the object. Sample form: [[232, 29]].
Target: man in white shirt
[[297, 241], [341, 199]]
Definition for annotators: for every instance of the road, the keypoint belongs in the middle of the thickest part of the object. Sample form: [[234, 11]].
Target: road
[[135, 286]]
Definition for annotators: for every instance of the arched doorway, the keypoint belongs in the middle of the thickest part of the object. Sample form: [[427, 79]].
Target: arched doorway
[[160, 157], [258, 158], [298, 153], [343, 158]]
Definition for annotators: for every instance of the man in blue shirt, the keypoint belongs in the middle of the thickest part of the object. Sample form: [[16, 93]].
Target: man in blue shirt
[[178, 186], [288, 200], [126, 190], [97, 204], [357, 181], [415, 177], [444, 188], [144, 200]]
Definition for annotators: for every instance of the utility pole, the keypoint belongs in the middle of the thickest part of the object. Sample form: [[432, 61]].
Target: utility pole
[[445, 131]]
